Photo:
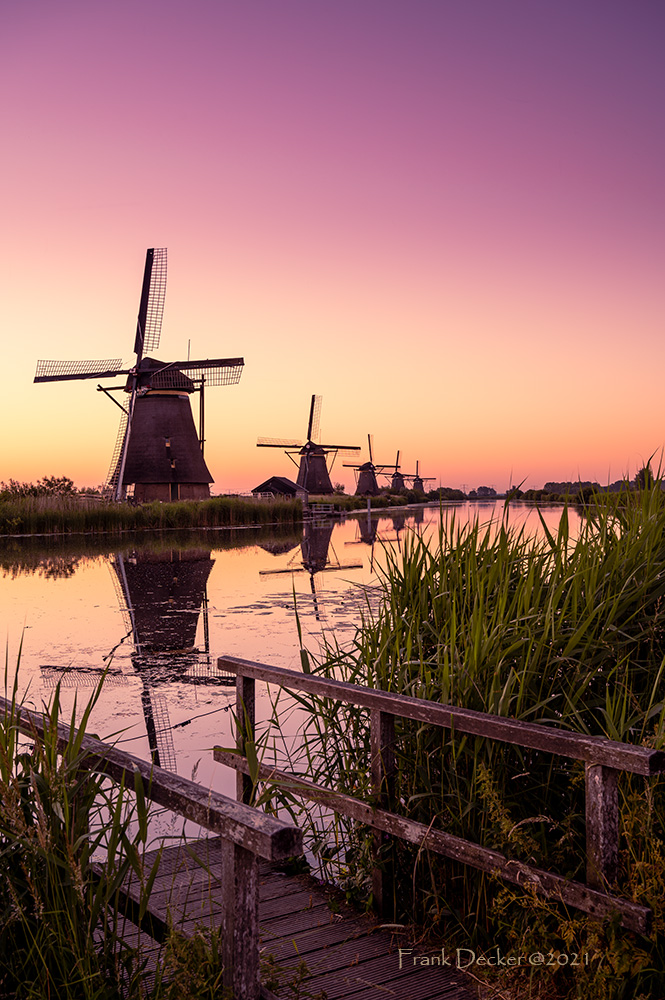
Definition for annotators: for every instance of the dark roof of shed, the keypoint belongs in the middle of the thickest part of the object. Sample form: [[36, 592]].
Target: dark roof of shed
[[279, 484]]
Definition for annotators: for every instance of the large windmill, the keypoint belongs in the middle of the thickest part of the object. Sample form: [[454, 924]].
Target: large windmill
[[367, 485], [158, 453], [313, 472]]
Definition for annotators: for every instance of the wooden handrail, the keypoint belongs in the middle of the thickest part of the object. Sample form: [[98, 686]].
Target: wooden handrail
[[633, 916], [247, 835], [603, 759], [263, 835], [536, 736]]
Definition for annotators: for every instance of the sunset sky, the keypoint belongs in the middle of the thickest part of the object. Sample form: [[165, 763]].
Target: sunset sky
[[446, 217]]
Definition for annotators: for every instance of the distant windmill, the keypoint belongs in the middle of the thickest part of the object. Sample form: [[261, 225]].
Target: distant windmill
[[419, 481], [313, 472], [397, 479], [367, 485], [158, 453]]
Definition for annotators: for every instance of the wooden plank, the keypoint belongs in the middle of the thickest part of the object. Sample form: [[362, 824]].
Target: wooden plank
[[239, 926], [633, 917], [382, 747], [250, 828], [346, 954], [537, 736], [602, 825], [245, 725]]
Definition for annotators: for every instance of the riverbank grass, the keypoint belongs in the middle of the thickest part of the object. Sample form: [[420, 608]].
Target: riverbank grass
[[64, 515], [568, 631]]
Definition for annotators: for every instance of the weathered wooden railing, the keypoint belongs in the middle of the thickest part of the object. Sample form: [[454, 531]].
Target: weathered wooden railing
[[247, 835], [603, 759]]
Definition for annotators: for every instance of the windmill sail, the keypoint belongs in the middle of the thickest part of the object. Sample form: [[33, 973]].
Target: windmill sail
[[61, 371], [151, 305], [114, 469]]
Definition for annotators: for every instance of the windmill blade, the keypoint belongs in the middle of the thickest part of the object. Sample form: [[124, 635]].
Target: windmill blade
[[370, 442], [151, 305], [342, 449], [265, 442], [61, 371], [215, 371], [114, 468], [314, 426]]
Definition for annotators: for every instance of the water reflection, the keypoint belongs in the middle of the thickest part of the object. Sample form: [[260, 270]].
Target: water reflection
[[186, 598], [315, 557], [162, 595]]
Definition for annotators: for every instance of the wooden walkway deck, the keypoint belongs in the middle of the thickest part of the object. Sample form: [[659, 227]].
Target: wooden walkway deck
[[345, 954]]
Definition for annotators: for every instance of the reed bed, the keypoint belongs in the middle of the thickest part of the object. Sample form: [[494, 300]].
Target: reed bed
[[62, 515], [567, 630]]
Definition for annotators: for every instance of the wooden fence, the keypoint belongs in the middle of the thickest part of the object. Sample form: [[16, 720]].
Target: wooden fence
[[247, 835], [603, 759]]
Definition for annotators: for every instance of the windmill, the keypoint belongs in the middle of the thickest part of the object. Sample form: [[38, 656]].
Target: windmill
[[367, 485], [313, 472], [158, 453], [419, 481], [396, 478]]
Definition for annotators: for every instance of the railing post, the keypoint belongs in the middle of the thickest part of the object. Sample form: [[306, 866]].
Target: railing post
[[602, 825], [246, 718], [382, 746], [240, 922]]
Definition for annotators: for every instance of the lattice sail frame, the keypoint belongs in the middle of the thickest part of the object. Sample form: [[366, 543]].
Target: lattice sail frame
[[155, 309], [72, 369]]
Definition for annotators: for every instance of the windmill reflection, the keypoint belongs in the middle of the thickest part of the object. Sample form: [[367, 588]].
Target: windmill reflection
[[161, 596], [315, 557], [367, 533]]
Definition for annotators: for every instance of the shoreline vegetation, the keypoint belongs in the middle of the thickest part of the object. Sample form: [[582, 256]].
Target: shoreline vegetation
[[567, 631], [55, 507]]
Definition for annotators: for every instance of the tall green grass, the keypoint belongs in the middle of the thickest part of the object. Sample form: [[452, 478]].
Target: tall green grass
[[555, 628], [52, 515]]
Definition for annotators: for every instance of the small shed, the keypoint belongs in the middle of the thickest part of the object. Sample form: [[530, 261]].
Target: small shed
[[280, 486]]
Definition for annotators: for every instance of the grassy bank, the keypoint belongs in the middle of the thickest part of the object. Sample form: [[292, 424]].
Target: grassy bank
[[64, 515], [569, 631]]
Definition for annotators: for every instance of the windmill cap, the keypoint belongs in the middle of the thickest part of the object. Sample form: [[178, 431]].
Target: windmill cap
[[155, 374]]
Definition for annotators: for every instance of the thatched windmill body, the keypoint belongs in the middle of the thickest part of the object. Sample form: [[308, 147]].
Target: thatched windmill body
[[313, 471], [158, 453]]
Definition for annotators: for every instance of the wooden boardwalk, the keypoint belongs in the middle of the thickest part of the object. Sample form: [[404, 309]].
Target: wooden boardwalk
[[309, 934]]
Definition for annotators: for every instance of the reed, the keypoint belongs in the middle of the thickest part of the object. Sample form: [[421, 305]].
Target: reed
[[63, 515], [560, 629]]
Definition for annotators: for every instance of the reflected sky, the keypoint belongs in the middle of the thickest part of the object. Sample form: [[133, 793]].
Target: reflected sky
[[157, 611]]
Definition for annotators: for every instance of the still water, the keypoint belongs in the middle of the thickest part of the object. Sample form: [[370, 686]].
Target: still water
[[158, 610]]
